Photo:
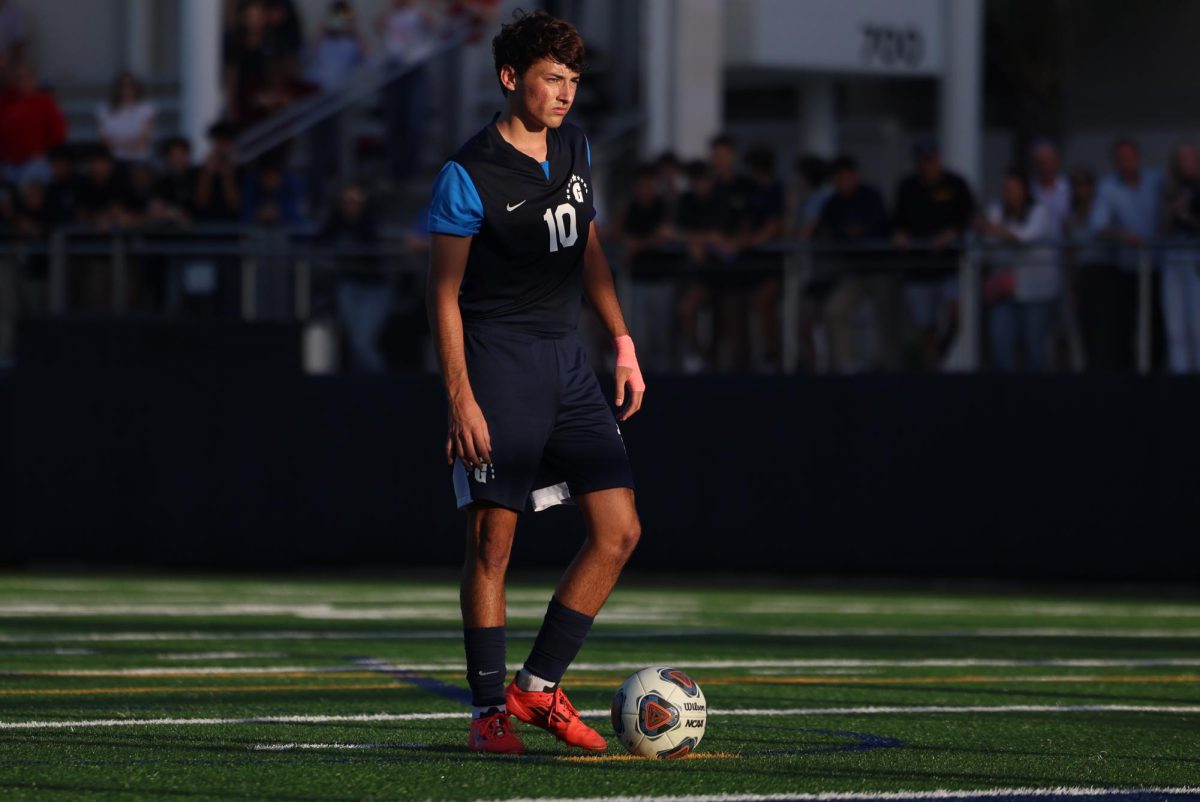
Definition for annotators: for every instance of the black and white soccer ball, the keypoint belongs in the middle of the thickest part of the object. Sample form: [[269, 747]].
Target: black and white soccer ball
[[660, 712]]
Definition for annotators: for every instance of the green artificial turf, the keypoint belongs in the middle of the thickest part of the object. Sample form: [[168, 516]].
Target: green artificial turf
[[860, 672]]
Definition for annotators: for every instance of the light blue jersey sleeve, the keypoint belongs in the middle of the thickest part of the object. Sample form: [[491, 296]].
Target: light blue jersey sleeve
[[456, 207]]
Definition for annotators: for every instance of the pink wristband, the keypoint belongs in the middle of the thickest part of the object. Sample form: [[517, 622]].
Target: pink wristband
[[627, 358]]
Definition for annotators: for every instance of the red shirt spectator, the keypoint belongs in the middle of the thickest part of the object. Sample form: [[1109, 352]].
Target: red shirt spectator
[[30, 120]]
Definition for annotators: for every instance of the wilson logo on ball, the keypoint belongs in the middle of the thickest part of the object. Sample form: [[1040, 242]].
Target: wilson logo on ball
[[656, 715]]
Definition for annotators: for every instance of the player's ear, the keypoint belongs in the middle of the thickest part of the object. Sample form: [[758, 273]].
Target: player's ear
[[508, 77]]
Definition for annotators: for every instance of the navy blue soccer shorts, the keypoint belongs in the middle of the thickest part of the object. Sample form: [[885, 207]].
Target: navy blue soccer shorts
[[553, 432]]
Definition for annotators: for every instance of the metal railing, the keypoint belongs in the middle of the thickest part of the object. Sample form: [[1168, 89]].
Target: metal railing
[[304, 256], [301, 116]]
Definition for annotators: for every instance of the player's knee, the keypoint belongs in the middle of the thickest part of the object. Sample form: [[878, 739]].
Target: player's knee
[[623, 541], [490, 550]]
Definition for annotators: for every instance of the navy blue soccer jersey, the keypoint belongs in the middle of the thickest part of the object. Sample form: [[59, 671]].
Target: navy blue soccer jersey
[[529, 224], [552, 431]]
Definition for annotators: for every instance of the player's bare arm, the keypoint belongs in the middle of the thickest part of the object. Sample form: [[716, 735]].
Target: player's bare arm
[[467, 438], [602, 294]]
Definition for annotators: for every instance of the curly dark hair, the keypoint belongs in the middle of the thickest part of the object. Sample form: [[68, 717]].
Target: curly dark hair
[[530, 37]]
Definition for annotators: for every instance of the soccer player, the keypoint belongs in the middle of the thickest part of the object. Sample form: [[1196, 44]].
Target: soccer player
[[514, 249]]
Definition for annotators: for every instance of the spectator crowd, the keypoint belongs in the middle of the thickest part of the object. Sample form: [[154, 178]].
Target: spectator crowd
[[704, 240], [1061, 257]]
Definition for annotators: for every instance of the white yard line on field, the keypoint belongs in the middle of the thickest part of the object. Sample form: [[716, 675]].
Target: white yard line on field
[[1064, 792], [750, 712], [604, 633], [690, 665]]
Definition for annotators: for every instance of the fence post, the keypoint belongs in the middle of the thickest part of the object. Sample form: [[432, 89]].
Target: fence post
[[970, 308], [58, 272], [1145, 289], [796, 265]]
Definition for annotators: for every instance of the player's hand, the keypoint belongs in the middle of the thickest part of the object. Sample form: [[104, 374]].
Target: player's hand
[[628, 373], [468, 438], [625, 377]]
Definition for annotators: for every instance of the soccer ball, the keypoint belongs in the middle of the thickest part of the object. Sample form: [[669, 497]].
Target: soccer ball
[[659, 712]]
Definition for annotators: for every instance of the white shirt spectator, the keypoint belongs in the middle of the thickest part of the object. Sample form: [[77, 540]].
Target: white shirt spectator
[[334, 60], [129, 130], [1056, 197], [407, 35], [1036, 275]]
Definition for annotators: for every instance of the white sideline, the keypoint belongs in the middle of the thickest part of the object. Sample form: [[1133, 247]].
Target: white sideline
[[691, 665], [868, 796], [604, 632], [741, 711]]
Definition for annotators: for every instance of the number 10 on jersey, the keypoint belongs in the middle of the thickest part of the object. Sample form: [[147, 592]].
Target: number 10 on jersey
[[563, 229]]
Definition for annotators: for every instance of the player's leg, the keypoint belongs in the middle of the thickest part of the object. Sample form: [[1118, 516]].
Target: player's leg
[[613, 530], [612, 534], [490, 531]]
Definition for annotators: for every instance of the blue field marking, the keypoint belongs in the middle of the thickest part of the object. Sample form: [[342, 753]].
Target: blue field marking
[[862, 742], [435, 686]]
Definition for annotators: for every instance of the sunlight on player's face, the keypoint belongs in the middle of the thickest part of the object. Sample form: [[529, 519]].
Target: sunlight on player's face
[[547, 91]]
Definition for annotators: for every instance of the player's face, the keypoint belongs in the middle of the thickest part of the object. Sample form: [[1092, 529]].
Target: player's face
[[546, 92]]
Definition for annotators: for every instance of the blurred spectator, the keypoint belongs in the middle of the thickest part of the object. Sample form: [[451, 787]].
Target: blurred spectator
[[271, 194], [285, 29], [14, 33], [1181, 268], [1083, 252], [1126, 214], [336, 55], [98, 207], [99, 198], [364, 292], [670, 182], [31, 123], [249, 55], [33, 217], [762, 226], [407, 31], [283, 85], [644, 229], [854, 215], [700, 219], [138, 204], [272, 197], [812, 191], [934, 208], [63, 192], [213, 286], [218, 182], [1023, 286], [1050, 186], [729, 286], [126, 122], [175, 189]]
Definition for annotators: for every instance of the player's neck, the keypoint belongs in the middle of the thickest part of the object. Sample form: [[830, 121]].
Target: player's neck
[[526, 136]]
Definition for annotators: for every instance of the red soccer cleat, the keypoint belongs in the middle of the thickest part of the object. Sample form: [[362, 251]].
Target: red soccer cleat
[[495, 733], [555, 714]]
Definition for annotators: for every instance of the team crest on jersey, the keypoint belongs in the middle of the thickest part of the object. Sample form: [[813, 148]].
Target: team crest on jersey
[[577, 188]]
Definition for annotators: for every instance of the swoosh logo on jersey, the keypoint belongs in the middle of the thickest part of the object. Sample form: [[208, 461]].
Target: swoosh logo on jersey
[[511, 206]]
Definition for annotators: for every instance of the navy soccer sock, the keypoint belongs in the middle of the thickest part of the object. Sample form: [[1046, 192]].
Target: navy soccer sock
[[558, 642], [485, 665]]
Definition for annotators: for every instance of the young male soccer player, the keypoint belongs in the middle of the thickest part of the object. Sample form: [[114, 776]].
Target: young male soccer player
[[514, 250]]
